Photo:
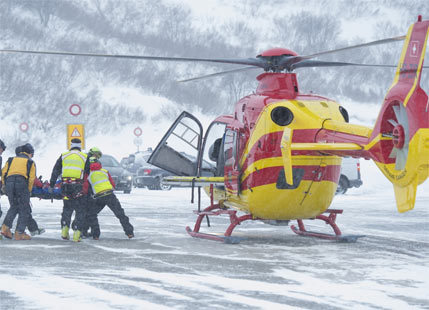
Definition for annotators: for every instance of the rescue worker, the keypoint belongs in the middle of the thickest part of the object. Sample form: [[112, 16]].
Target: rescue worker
[[32, 226], [70, 166], [19, 174], [2, 149], [93, 155], [102, 185]]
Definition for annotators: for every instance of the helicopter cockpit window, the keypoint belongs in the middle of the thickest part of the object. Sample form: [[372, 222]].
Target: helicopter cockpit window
[[212, 164]]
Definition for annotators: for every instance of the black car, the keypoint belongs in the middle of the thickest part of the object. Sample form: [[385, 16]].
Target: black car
[[122, 178], [145, 175], [151, 177]]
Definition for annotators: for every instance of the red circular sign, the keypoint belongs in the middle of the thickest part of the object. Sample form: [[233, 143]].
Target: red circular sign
[[138, 131], [23, 127], [75, 109]]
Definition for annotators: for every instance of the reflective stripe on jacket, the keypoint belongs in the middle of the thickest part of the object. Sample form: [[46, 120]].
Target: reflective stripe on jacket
[[73, 163], [99, 180]]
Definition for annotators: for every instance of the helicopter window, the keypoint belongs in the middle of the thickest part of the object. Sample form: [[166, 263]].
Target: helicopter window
[[213, 150], [282, 116], [179, 150], [230, 148], [344, 113]]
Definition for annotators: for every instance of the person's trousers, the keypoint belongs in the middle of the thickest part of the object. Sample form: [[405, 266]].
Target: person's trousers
[[76, 205], [113, 203], [19, 200]]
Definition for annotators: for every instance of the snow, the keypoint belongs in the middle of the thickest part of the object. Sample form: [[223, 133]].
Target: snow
[[272, 268], [164, 268]]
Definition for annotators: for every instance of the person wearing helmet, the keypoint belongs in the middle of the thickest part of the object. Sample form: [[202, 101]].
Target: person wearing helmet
[[19, 174], [102, 185], [2, 149], [70, 165], [93, 155]]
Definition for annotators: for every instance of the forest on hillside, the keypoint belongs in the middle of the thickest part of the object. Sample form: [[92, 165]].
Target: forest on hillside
[[43, 87]]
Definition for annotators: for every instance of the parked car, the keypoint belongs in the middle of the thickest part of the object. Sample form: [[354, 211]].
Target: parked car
[[123, 178], [350, 175], [145, 174], [151, 177]]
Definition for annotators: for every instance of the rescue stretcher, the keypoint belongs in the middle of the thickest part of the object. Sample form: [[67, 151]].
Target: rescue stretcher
[[41, 190]]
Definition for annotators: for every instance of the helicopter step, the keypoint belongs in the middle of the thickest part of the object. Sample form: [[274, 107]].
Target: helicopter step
[[330, 220], [215, 210]]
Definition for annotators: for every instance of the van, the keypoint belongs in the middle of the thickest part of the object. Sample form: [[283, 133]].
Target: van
[[350, 175]]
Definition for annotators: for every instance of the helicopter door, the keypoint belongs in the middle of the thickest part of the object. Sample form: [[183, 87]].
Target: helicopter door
[[231, 172], [179, 149]]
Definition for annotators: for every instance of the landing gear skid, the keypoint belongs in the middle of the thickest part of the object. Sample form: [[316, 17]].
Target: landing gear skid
[[330, 220], [215, 210]]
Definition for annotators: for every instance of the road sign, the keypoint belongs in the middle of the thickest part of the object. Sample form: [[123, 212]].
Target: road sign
[[75, 131], [23, 127], [75, 109], [138, 131]]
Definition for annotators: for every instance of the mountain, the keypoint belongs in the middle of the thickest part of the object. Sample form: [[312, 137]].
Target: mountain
[[39, 90]]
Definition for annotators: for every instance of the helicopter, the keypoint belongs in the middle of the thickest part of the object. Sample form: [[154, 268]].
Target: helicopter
[[277, 157]]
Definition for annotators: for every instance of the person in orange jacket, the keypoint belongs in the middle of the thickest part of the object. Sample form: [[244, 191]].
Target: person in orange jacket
[[19, 174]]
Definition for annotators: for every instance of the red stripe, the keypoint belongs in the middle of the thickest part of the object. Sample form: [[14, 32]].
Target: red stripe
[[269, 145], [271, 174]]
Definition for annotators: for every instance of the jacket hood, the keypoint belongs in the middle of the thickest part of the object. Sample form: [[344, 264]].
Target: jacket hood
[[95, 166]]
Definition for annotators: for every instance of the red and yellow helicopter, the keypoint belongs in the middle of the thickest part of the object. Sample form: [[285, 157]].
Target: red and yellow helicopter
[[277, 158]]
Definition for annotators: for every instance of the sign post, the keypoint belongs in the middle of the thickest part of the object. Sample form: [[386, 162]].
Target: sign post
[[137, 140], [75, 130]]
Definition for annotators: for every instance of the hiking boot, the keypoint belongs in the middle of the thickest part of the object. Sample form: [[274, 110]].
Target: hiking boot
[[65, 233], [130, 235], [39, 231], [5, 231], [76, 236], [21, 236]]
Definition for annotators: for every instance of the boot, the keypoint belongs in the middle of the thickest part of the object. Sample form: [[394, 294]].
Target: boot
[[76, 236], [39, 231], [65, 233], [130, 235], [5, 231], [21, 236]]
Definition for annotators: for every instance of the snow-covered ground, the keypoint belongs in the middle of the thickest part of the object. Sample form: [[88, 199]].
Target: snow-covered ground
[[164, 268]]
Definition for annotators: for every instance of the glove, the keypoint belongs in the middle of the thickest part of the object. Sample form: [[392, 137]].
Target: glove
[[3, 190], [50, 190]]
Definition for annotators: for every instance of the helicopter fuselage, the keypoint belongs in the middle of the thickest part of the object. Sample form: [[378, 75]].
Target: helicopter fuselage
[[255, 179]]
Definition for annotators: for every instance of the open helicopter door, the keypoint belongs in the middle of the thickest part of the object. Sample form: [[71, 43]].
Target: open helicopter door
[[179, 150]]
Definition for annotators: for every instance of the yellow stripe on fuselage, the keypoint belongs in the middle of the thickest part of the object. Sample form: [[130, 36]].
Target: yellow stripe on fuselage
[[308, 114], [297, 160]]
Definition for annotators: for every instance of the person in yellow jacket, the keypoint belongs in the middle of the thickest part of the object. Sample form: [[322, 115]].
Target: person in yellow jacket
[[102, 186], [19, 174], [70, 165]]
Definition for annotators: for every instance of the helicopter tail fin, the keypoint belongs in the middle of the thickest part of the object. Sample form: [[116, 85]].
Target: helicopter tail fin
[[399, 143]]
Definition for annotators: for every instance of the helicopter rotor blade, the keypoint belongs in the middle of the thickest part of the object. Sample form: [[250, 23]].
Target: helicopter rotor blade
[[246, 61], [320, 63], [296, 59], [217, 73]]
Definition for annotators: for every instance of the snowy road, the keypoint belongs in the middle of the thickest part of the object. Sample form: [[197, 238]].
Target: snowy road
[[164, 268]]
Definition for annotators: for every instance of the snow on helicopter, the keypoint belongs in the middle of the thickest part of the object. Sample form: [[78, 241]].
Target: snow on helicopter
[[278, 157]]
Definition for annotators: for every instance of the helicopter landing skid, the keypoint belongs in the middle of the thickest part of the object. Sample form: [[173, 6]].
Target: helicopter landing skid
[[330, 220], [215, 210]]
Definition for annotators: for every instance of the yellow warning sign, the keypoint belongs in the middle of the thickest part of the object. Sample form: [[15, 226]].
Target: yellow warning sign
[[75, 131]]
